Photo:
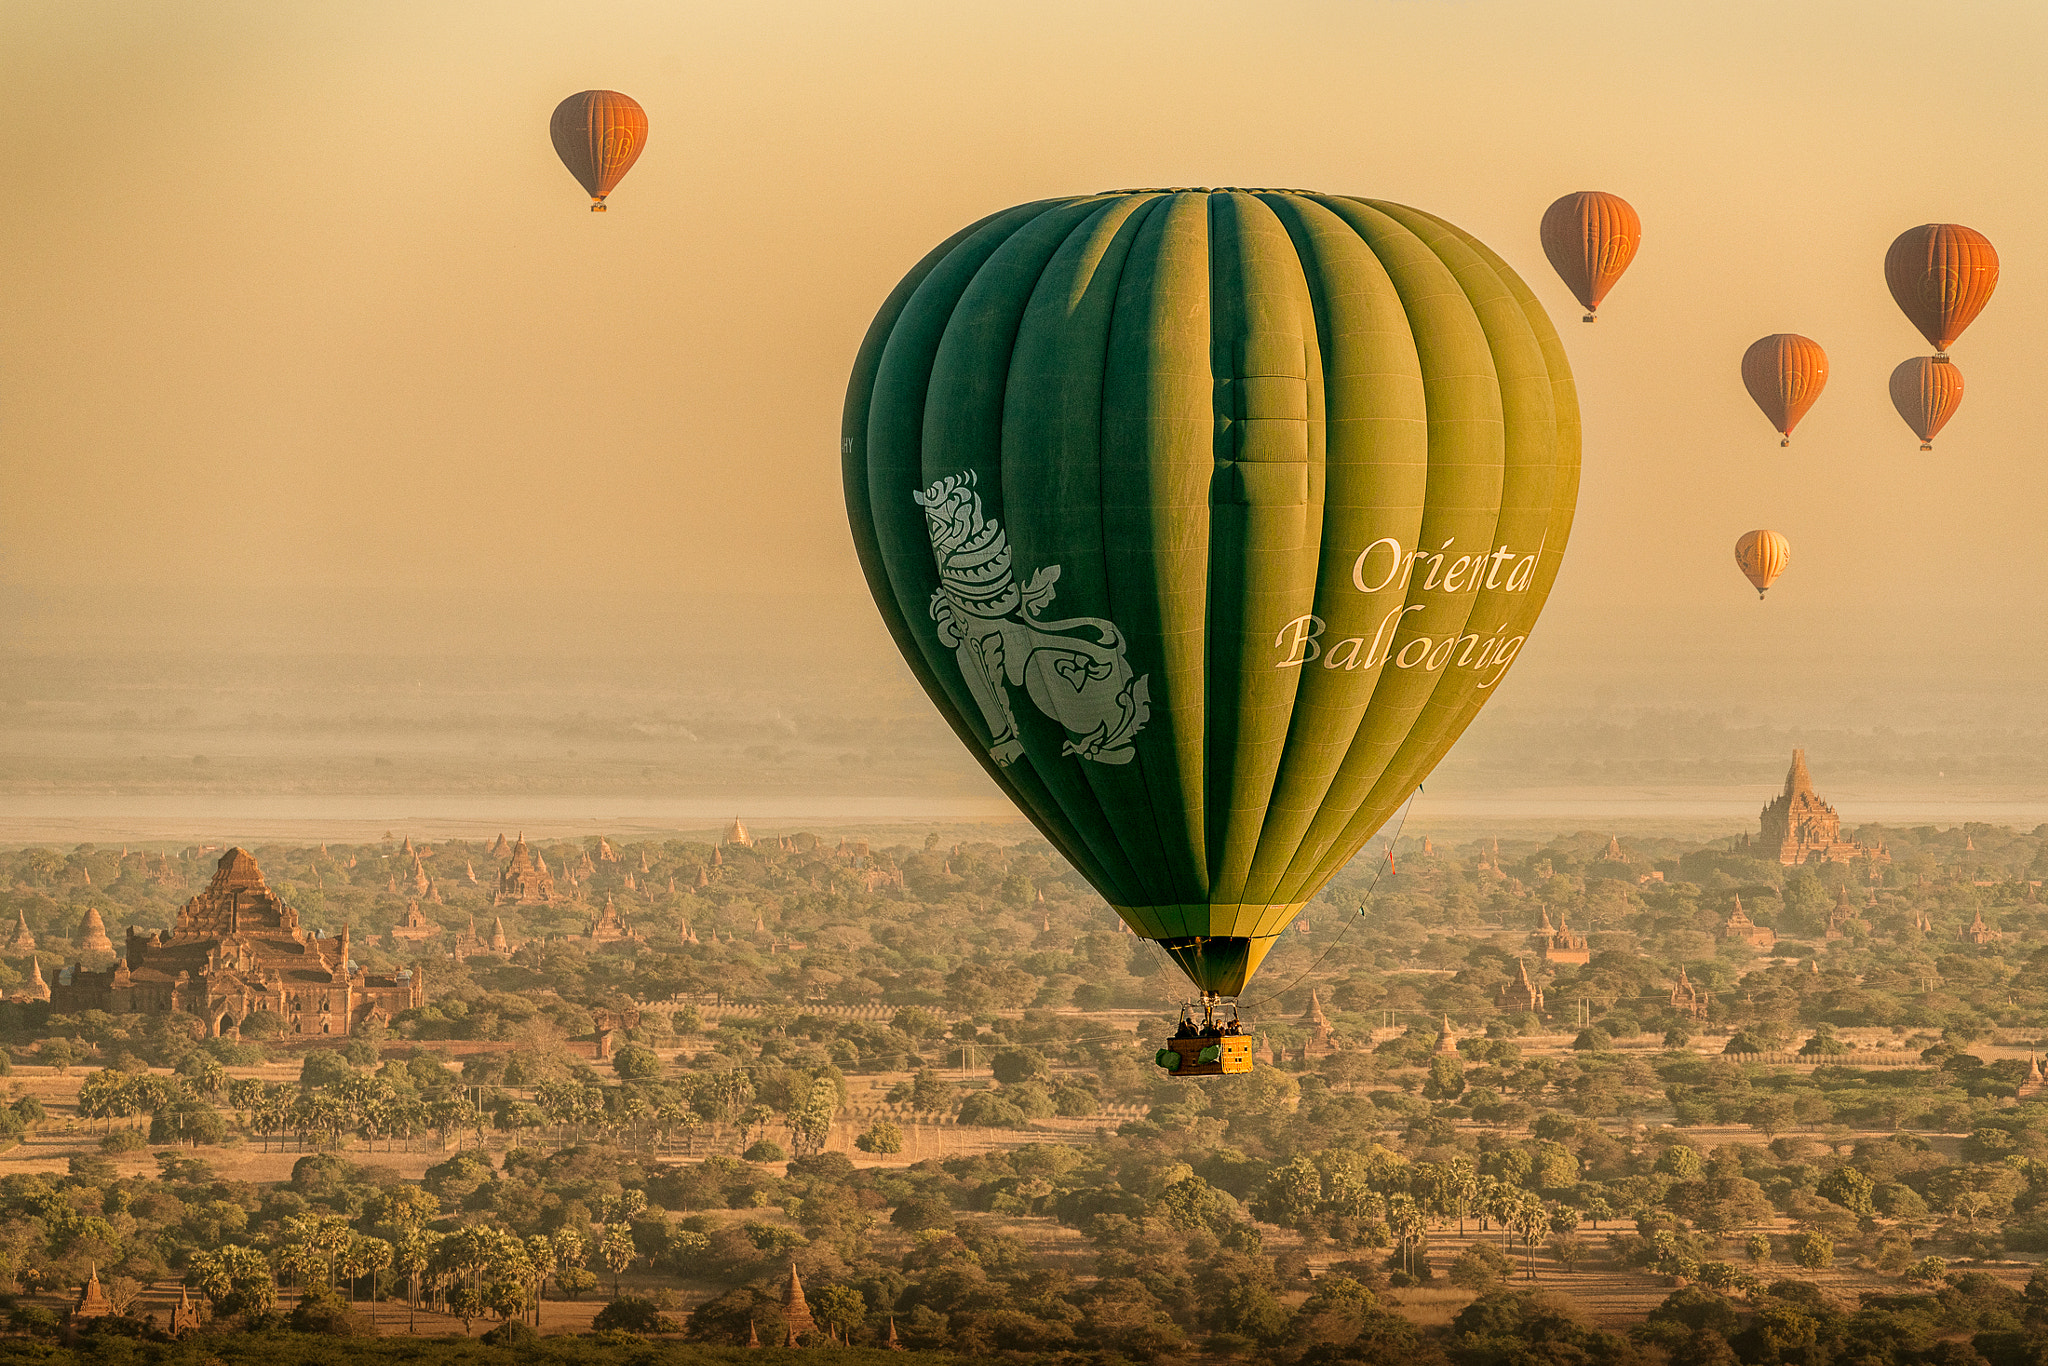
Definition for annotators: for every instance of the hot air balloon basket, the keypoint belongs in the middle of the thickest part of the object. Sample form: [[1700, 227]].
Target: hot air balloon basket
[[1206, 1056]]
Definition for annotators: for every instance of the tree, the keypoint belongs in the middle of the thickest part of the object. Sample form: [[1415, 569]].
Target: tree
[[1013, 1065], [617, 1250], [810, 1123], [410, 1257], [1849, 1188], [234, 1280], [929, 1094], [1679, 1161], [1813, 1250], [1770, 1116], [840, 1310], [362, 1257], [634, 1063], [1291, 1194], [1446, 1079]]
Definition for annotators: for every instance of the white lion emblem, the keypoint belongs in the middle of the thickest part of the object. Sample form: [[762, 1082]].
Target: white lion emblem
[[1075, 671]]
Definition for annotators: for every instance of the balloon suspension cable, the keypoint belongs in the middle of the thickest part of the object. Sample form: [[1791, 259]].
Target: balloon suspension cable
[[1373, 886]]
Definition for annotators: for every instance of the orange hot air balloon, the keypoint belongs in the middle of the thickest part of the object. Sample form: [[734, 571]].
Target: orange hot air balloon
[[1590, 237], [1762, 556], [1785, 373], [1927, 390], [1942, 275], [598, 135]]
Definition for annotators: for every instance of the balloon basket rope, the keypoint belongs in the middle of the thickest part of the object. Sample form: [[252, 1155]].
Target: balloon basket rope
[[597, 206]]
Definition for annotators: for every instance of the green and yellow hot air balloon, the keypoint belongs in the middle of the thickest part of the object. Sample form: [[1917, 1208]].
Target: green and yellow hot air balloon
[[1210, 519]]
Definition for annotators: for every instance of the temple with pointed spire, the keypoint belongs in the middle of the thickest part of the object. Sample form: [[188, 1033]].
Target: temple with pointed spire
[[235, 950], [1741, 928], [184, 1314], [35, 988], [1563, 944], [1686, 998], [1521, 994], [736, 833], [525, 879], [415, 928], [1979, 932], [797, 1323], [92, 1300], [1322, 1035], [1843, 916], [1798, 827], [22, 941]]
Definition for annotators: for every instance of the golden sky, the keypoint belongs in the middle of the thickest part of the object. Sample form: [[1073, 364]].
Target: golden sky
[[303, 324]]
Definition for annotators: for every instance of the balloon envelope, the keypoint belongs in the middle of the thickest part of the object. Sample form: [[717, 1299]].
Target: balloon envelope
[[1590, 238], [598, 134], [1209, 520], [1927, 390], [1762, 556], [1942, 275], [1784, 373]]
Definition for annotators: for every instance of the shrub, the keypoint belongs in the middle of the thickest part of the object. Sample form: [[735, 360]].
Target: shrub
[[321, 1310], [123, 1141], [1927, 1271], [1012, 1065], [33, 1320], [767, 1150], [881, 1137], [1480, 1267], [1593, 1040], [512, 1333], [920, 1212], [631, 1314], [990, 1110]]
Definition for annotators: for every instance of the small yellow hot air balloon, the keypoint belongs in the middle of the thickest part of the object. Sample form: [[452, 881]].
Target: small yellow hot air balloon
[[1762, 556]]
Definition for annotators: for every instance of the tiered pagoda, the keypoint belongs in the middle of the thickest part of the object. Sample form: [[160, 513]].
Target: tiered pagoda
[[236, 949], [525, 880], [1798, 827]]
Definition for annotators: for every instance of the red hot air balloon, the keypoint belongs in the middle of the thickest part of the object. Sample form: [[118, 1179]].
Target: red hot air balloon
[[1762, 556], [1927, 390], [598, 135], [1785, 373], [1590, 237], [1942, 275]]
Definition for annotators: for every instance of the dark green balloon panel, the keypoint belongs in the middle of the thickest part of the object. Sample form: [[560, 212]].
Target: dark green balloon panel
[[1210, 519]]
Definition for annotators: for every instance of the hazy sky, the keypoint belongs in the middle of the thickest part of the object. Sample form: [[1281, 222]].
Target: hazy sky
[[305, 333]]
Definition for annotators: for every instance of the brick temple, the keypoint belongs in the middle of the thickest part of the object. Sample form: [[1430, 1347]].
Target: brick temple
[[237, 949], [1799, 827]]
